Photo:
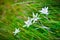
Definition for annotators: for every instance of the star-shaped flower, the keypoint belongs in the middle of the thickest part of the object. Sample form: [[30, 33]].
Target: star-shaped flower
[[16, 31], [35, 17], [28, 22], [44, 10]]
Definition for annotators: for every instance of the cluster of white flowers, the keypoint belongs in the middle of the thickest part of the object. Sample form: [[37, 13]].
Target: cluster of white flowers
[[30, 21], [35, 17]]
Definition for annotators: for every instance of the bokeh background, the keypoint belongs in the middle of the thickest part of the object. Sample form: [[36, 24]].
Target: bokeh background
[[13, 13]]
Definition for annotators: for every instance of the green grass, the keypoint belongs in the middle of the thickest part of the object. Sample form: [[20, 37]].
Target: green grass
[[13, 15]]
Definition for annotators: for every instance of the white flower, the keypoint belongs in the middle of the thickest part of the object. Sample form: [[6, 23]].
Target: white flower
[[44, 10], [16, 31], [35, 17], [28, 22]]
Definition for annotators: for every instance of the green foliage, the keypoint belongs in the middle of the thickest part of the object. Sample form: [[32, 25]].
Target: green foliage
[[13, 13]]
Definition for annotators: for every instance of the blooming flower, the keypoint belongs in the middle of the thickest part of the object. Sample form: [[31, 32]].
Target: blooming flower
[[28, 22], [35, 17], [44, 10], [16, 31]]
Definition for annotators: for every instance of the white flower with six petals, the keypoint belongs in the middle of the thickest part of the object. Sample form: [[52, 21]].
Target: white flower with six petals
[[16, 31], [28, 22], [44, 10], [35, 17]]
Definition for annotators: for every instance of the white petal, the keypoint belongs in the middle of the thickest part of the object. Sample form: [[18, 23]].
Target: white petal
[[33, 14]]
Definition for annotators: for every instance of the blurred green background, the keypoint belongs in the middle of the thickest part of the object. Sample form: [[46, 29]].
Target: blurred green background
[[13, 13]]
